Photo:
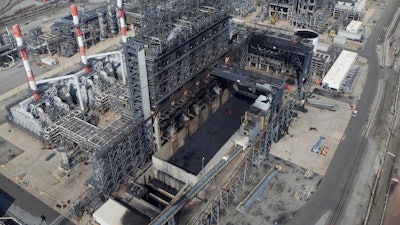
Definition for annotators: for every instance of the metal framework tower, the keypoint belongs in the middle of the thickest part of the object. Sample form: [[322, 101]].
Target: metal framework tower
[[123, 156], [137, 82], [178, 47]]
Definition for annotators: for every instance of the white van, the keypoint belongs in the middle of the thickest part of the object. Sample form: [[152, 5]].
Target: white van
[[354, 114]]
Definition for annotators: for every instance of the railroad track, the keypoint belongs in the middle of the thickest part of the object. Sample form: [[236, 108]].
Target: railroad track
[[7, 6], [28, 13]]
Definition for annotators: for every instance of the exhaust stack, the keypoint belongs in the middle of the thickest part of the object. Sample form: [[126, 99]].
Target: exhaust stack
[[24, 55], [79, 37], [122, 21]]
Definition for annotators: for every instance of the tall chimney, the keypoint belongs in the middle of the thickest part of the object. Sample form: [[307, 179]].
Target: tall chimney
[[24, 55], [122, 21], [79, 37]]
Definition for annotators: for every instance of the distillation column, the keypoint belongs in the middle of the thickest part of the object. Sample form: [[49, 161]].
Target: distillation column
[[111, 23]]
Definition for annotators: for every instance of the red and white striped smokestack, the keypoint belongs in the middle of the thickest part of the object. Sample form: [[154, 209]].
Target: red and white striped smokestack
[[75, 17], [122, 21], [79, 37], [24, 55]]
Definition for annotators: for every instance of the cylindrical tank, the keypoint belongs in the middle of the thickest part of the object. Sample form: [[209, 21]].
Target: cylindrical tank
[[102, 24], [310, 35]]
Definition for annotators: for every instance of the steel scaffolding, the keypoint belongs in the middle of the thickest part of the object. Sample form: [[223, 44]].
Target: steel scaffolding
[[121, 157], [177, 55], [281, 54], [179, 45]]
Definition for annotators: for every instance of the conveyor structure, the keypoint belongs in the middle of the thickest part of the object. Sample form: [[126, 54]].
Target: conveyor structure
[[170, 211], [258, 189]]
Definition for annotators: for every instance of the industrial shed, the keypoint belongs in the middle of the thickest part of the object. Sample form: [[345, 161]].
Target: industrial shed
[[339, 70], [113, 213], [354, 26]]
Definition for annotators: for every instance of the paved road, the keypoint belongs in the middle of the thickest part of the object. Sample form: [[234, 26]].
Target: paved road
[[13, 194], [340, 176]]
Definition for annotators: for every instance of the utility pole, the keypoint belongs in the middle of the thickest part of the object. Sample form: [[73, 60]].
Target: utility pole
[[202, 166]]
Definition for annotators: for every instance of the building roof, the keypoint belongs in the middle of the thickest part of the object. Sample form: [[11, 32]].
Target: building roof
[[339, 69], [348, 1], [354, 26], [110, 213], [113, 213]]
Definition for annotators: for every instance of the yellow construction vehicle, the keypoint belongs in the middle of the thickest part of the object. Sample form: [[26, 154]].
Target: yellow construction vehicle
[[274, 16], [332, 33]]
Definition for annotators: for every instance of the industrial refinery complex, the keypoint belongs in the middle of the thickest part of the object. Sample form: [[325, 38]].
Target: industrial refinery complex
[[198, 112]]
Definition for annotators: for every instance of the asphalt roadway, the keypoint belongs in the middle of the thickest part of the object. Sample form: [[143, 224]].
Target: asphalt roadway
[[10, 193], [333, 192]]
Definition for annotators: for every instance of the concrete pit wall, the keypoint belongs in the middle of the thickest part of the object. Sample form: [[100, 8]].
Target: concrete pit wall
[[160, 158], [169, 148], [173, 171]]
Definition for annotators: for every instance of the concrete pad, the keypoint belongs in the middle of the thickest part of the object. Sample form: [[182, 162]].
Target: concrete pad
[[285, 194], [38, 173], [60, 173], [305, 131], [8, 151], [19, 138]]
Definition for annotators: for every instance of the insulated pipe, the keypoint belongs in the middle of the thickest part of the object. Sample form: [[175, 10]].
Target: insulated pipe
[[79, 94], [24, 55], [79, 37], [122, 21], [104, 54]]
